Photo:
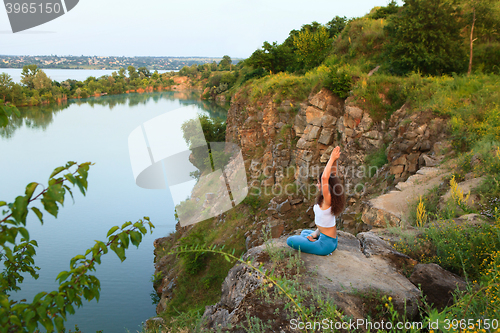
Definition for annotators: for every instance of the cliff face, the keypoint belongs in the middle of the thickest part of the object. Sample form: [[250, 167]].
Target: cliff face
[[293, 141]]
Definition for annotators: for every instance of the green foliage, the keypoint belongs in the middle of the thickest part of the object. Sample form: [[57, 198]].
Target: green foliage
[[383, 94], [221, 82], [361, 42], [487, 58], [225, 63], [271, 58], [254, 200], [376, 160], [216, 159], [214, 130], [6, 111], [312, 47], [464, 249], [28, 75], [383, 12], [480, 301], [194, 261], [339, 81], [472, 102], [425, 36], [283, 85], [37, 88], [18, 250], [336, 25]]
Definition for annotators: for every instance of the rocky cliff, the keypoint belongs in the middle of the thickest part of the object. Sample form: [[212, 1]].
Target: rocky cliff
[[287, 142], [280, 140]]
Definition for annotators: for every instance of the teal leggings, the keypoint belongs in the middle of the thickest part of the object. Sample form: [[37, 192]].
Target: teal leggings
[[323, 246]]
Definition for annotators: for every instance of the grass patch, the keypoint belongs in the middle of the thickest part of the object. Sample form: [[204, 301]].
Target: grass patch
[[472, 103], [376, 160], [382, 94]]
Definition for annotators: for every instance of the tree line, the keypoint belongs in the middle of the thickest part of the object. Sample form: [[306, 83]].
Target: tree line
[[429, 36], [37, 88]]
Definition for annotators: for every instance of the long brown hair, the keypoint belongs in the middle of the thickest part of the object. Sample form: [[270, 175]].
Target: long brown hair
[[336, 193]]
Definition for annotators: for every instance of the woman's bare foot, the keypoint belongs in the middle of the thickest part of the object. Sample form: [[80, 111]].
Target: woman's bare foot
[[311, 238]]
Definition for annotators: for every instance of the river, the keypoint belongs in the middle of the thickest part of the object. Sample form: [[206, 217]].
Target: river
[[61, 75], [96, 130]]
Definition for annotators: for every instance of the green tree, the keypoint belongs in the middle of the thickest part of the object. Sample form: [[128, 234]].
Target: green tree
[[28, 75], [213, 66], [225, 63], [214, 130], [272, 57], [482, 19], [132, 74], [121, 72], [6, 84], [383, 12], [144, 72], [336, 25], [425, 36], [312, 46], [18, 251], [6, 111], [41, 81]]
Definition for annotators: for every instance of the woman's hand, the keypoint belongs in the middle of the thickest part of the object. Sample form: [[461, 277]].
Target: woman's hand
[[335, 154]]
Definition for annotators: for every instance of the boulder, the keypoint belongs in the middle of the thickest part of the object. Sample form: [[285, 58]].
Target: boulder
[[437, 284], [376, 135], [345, 274], [299, 124], [328, 121], [284, 207], [326, 137], [373, 245], [366, 123], [326, 155], [397, 169], [313, 133], [326, 100], [240, 281], [313, 113], [379, 218], [354, 112], [304, 144]]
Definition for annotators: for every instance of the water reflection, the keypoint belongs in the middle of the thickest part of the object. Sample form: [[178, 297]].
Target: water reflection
[[40, 117]]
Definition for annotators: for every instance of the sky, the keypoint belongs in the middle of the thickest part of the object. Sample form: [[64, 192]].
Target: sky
[[173, 28]]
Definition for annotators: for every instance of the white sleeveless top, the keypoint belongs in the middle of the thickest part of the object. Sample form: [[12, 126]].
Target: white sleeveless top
[[323, 218]]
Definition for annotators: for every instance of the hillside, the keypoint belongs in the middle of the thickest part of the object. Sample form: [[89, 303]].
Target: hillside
[[420, 165]]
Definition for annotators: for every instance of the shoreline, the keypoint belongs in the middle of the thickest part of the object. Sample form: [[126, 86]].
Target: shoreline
[[149, 89]]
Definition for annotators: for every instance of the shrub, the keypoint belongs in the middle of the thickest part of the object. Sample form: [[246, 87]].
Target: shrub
[[382, 94], [487, 58], [425, 36], [193, 262], [340, 82], [376, 159]]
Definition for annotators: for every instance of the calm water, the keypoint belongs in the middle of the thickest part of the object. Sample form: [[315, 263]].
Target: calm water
[[93, 130], [64, 74]]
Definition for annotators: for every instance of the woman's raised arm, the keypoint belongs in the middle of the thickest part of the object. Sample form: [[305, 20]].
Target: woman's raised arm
[[326, 176]]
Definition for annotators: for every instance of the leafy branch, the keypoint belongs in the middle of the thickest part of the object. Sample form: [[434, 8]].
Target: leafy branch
[[50, 309]]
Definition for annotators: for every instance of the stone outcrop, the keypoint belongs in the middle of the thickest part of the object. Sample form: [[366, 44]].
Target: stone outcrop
[[437, 284], [279, 144], [391, 208], [415, 142], [345, 274]]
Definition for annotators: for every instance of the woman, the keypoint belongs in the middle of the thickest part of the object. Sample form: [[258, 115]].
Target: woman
[[329, 203]]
